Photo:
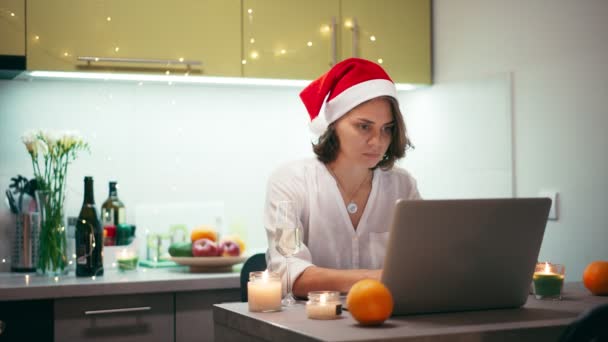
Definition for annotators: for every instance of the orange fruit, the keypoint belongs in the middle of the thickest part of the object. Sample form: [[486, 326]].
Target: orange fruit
[[369, 302], [595, 277], [203, 232]]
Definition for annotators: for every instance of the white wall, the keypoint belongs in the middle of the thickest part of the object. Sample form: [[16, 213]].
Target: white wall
[[462, 137], [557, 52], [187, 143], [164, 144]]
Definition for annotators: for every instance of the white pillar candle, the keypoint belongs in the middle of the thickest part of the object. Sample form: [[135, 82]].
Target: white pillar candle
[[264, 292], [323, 305]]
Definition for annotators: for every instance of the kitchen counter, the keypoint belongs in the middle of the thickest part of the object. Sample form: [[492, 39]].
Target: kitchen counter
[[19, 286], [537, 320]]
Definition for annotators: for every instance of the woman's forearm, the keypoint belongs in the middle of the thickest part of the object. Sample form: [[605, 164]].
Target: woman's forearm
[[319, 279]]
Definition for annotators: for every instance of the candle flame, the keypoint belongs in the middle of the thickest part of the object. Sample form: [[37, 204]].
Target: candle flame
[[265, 275], [323, 298], [547, 268]]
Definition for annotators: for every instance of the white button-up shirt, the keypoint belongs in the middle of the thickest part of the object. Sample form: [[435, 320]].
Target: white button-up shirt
[[328, 236]]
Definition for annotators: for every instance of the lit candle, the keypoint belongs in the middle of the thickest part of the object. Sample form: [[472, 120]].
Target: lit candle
[[127, 260], [548, 281], [264, 292], [323, 305]]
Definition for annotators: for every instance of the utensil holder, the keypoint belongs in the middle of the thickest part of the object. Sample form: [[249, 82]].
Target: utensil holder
[[25, 247]]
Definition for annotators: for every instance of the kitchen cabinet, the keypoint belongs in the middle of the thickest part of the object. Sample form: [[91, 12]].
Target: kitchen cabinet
[[12, 27], [138, 35], [288, 38], [29, 320], [301, 40], [145, 317], [194, 313], [12, 38], [394, 33]]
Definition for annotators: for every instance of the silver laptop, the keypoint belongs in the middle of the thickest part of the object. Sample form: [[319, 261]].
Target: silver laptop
[[457, 255]]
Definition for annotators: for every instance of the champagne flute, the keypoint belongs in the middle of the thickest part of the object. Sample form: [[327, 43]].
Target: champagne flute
[[287, 240]]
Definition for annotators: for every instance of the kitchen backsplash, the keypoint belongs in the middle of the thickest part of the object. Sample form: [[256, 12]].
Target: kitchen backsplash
[[200, 143]]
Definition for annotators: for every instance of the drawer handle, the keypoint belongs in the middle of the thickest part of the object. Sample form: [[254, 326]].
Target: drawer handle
[[355, 38], [90, 60], [334, 42], [111, 311]]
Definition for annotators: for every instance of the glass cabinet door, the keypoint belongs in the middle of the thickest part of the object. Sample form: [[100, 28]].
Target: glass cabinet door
[[137, 34], [289, 39], [394, 33], [12, 27]]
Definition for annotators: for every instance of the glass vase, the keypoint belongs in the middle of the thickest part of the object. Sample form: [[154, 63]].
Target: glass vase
[[52, 248]]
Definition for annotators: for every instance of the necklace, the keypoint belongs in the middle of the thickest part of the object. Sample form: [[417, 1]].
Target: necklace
[[351, 207]]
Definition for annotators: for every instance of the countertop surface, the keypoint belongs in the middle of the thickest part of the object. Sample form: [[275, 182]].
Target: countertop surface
[[22, 286], [537, 320]]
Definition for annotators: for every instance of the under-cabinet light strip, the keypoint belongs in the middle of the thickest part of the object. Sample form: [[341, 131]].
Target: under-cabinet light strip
[[182, 79]]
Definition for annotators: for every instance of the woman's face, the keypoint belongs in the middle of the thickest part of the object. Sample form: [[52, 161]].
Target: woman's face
[[365, 132]]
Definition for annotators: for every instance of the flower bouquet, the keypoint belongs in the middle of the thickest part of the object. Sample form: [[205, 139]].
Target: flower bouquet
[[51, 153]]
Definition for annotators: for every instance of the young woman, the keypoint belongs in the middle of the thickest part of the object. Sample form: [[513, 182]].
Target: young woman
[[345, 196]]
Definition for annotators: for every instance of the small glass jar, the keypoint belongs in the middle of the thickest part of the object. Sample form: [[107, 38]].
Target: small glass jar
[[323, 305], [127, 257], [264, 291], [548, 281]]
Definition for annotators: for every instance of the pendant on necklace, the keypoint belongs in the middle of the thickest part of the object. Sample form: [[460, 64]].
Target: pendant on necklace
[[352, 207]]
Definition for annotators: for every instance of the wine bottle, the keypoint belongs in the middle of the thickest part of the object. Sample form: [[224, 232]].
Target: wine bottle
[[89, 236], [113, 211]]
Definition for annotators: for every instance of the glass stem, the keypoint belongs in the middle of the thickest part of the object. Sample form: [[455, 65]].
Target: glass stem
[[289, 295]]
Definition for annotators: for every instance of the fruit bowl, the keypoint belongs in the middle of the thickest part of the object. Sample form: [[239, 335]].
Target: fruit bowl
[[210, 264]]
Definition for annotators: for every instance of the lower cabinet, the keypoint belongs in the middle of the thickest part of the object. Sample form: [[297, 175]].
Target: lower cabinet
[[28, 320], [148, 317], [194, 313], [166, 317]]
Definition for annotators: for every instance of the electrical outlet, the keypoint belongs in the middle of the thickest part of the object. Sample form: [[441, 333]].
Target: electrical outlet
[[554, 196]]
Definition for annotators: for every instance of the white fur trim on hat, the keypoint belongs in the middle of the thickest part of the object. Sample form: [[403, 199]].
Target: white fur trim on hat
[[357, 94], [349, 99]]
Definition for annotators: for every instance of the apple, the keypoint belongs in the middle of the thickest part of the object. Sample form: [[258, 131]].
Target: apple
[[205, 248], [230, 248]]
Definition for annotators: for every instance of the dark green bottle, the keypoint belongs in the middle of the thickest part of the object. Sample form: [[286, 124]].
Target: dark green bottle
[[89, 236]]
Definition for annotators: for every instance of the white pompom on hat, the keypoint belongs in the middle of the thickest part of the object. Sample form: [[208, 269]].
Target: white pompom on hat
[[345, 86]]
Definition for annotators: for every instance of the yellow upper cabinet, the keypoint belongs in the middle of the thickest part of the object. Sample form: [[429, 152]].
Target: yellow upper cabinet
[[290, 39], [12, 27], [302, 39], [138, 34], [394, 33]]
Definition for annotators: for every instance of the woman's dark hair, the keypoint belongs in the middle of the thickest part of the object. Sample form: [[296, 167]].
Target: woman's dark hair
[[328, 146]]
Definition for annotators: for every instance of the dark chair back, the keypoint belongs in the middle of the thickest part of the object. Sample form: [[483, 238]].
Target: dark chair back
[[256, 262], [591, 325]]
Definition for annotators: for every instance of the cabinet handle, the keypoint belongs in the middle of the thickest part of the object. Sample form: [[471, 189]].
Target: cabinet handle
[[2, 327], [355, 38], [111, 311], [92, 59], [334, 42]]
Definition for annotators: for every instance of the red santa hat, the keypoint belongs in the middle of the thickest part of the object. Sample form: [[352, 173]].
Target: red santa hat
[[345, 86]]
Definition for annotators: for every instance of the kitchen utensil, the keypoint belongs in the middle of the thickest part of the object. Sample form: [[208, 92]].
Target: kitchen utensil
[[31, 186], [11, 202], [18, 185]]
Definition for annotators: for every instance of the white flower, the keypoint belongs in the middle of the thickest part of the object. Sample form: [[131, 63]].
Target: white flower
[[50, 137], [30, 138], [68, 139], [41, 147]]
